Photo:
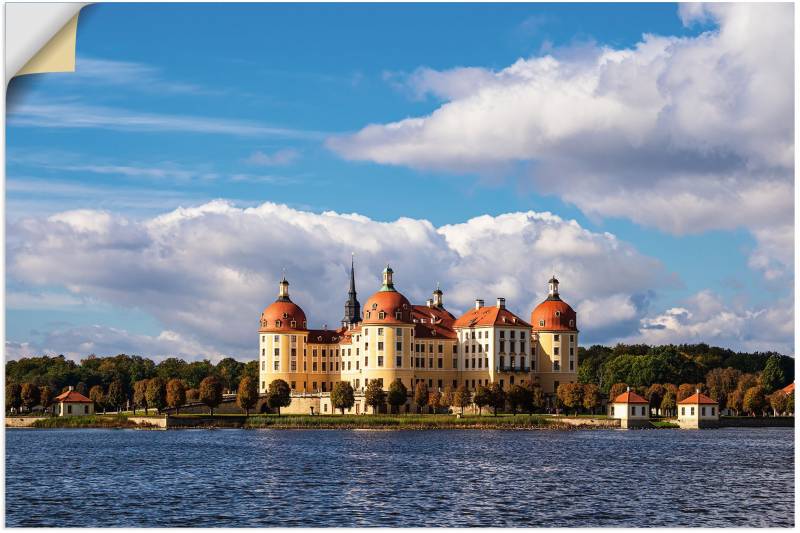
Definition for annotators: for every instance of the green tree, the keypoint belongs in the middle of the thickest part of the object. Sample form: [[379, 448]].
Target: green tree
[[591, 397], [772, 377], [790, 404], [655, 395], [247, 394], [13, 396], [497, 397], [462, 397], [170, 368], [251, 370], [210, 392], [98, 398], [229, 371], [421, 395], [30, 395], [195, 372], [374, 395], [343, 396], [669, 402], [278, 395], [116, 394], [570, 395], [537, 397], [397, 396], [754, 401], [176, 394], [156, 394], [45, 397], [517, 397], [140, 395], [482, 398]]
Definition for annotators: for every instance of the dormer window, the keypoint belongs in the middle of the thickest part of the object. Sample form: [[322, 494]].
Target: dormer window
[[367, 314], [285, 315], [293, 324], [304, 324], [381, 315], [571, 323], [541, 323], [398, 315], [277, 323], [374, 306], [558, 313]]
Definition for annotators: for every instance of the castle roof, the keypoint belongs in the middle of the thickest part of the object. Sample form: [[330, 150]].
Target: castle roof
[[489, 316]]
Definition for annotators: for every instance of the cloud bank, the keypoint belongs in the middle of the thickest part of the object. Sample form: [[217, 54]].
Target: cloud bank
[[205, 273], [682, 134]]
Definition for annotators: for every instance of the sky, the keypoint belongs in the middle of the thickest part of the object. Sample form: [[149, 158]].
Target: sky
[[644, 153]]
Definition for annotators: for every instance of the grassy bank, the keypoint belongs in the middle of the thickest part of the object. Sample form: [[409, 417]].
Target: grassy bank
[[89, 421], [401, 422], [663, 424]]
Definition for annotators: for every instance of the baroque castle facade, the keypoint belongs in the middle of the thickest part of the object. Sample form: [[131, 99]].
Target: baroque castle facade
[[393, 339]]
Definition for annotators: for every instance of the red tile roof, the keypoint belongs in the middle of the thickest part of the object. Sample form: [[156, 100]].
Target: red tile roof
[[72, 396], [788, 389], [554, 314], [697, 398], [323, 336], [630, 397], [489, 316], [433, 331]]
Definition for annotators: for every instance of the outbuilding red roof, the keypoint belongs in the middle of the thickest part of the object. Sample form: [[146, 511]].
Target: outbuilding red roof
[[72, 396], [788, 389], [697, 398], [630, 397]]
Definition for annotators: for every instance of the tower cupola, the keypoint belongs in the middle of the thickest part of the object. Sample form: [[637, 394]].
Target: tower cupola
[[283, 290], [553, 289], [388, 284], [437, 297]]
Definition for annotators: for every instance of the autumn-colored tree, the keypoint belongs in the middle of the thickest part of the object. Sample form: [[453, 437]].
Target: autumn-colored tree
[[45, 397], [497, 397], [397, 395], [462, 397], [615, 390], [98, 398], [571, 395], [655, 395], [30, 395], [754, 401], [421, 395], [734, 400], [156, 394], [210, 392], [591, 397], [343, 396], [790, 404], [669, 402], [140, 395], [176, 394], [482, 398], [747, 381], [447, 397], [778, 400], [374, 395], [116, 394], [434, 400], [81, 388], [537, 396], [13, 396], [671, 387], [721, 382], [518, 397], [685, 390], [192, 395]]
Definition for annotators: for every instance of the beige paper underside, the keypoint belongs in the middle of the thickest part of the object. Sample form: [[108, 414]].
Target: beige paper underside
[[58, 55]]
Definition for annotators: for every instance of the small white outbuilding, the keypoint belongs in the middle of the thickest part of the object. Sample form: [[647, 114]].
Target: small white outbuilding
[[73, 403], [698, 411], [631, 409]]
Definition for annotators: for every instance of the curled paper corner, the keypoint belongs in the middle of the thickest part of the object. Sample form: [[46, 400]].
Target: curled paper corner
[[41, 38]]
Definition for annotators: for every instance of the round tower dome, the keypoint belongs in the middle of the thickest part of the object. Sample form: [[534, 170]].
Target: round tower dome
[[387, 305], [283, 314], [554, 314]]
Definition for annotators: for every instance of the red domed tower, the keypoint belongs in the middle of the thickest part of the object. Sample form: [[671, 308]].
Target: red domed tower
[[283, 332], [555, 334]]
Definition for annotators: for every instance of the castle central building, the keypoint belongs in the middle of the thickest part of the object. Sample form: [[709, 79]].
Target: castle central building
[[393, 339]]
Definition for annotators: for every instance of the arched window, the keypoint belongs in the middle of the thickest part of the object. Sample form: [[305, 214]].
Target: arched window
[[381, 315], [277, 323], [293, 324], [541, 323], [374, 306], [367, 314]]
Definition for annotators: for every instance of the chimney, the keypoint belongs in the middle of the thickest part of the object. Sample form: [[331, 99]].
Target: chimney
[[478, 303], [628, 389], [71, 388], [697, 391], [501, 303], [430, 302]]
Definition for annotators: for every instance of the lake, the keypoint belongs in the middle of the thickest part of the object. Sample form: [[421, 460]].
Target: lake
[[263, 478]]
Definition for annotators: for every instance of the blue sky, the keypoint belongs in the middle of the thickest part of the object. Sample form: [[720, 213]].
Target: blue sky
[[176, 105]]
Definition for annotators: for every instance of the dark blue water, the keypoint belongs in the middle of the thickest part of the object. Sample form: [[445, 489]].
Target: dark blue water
[[725, 477]]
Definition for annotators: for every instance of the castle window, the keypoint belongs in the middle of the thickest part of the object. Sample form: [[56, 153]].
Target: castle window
[[455, 348], [380, 346], [556, 366], [555, 351], [314, 366], [367, 318], [399, 346], [399, 332], [277, 365], [294, 366], [304, 324], [380, 360], [263, 351], [541, 323], [277, 352], [441, 348], [502, 345], [441, 363], [380, 331], [381, 315], [513, 333], [263, 365], [374, 306], [399, 361], [571, 365], [276, 338], [293, 324], [502, 334], [398, 315], [314, 352], [455, 363]]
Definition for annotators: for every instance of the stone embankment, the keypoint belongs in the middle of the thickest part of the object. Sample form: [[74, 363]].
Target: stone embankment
[[22, 421]]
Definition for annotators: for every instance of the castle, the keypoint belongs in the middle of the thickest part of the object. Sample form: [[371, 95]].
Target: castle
[[393, 339]]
